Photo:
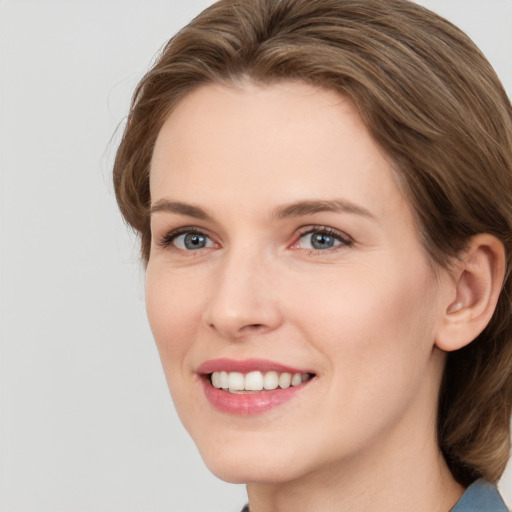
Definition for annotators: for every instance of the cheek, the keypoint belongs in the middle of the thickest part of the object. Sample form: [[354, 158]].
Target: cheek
[[375, 333], [173, 313], [371, 321]]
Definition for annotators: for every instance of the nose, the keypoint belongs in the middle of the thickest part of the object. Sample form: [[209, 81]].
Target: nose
[[244, 300]]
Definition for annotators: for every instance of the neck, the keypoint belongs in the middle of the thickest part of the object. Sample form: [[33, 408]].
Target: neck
[[371, 486], [402, 470]]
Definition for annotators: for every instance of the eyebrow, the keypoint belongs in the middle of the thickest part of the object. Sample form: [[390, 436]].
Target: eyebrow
[[302, 208], [164, 205], [298, 209]]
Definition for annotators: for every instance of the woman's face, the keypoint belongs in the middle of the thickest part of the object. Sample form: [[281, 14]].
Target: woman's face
[[284, 254]]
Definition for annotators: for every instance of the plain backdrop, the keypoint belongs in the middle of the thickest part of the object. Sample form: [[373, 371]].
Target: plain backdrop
[[87, 424]]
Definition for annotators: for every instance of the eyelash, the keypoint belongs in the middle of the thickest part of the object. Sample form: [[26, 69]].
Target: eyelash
[[168, 239], [344, 239]]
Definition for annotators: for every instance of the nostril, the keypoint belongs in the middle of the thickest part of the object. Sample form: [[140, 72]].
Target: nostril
[[253, 327], [243, 330]]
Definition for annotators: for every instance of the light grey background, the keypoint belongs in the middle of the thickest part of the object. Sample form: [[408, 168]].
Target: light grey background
[[86, 420]]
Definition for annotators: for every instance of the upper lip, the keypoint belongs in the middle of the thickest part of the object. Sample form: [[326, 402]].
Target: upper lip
[[245, 366]]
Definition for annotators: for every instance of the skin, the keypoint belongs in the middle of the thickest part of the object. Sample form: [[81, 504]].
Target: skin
[[363, 315]]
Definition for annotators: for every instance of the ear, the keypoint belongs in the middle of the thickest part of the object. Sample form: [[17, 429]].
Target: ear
[[477, 279]]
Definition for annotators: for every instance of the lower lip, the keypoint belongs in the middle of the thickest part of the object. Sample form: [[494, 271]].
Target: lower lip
[[251, 403]]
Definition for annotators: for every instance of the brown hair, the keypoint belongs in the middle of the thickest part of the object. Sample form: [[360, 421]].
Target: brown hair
[[431, 101]]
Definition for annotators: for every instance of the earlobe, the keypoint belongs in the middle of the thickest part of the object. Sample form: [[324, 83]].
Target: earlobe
[[478, 277]]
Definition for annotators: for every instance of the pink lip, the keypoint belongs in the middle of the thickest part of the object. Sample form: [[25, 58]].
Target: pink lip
[[252, 403], [245, 366]]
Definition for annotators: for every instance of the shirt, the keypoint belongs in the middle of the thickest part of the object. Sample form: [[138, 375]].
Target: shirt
[[480, 496]]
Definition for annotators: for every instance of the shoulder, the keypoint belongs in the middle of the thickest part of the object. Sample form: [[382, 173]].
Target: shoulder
[[480, 496]]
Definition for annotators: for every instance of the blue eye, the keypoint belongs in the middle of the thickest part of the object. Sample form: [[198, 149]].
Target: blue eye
[[321, 239], [190, 241]]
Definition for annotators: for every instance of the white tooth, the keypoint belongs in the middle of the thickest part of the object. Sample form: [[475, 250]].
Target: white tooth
[[271, 380], [254, 381], [285, 379], [296, 379], [224, 380], [236, 381], [216, 380]]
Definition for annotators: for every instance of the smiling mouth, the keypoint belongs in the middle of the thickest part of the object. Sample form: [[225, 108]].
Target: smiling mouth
[[256, 381]]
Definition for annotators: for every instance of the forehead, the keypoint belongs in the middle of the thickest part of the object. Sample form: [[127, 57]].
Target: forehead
[[276, 143]]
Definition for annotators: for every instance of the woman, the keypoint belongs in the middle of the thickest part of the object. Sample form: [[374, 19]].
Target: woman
[[323, 192]]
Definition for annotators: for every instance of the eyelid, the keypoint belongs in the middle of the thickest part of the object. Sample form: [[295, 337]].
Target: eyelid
[[345, 239], [167, 239]]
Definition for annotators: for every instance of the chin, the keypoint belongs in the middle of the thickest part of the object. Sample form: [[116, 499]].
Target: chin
[[255, 461], [242, 471]]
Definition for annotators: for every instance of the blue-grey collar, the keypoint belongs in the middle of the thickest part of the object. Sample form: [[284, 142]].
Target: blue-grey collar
[[480, 496]]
